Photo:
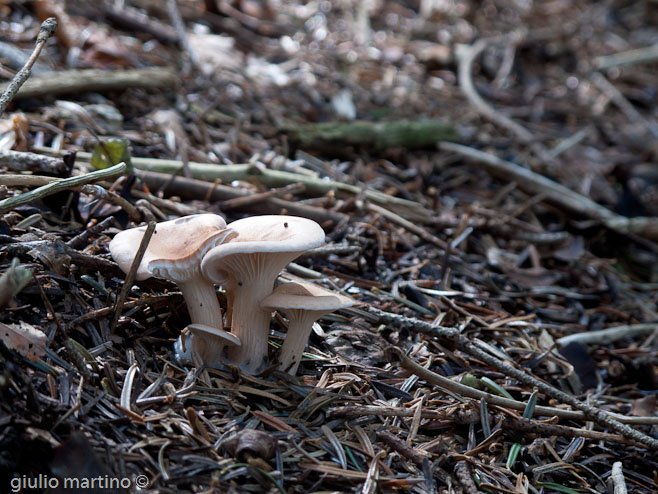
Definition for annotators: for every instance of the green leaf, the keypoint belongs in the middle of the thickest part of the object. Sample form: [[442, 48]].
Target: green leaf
[[109, 153], [470, 380], [530, 407], [513, 455], [516, 447], [496, 388]]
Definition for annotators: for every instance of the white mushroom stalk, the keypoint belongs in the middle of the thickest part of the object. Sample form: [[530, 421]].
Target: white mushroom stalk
[[175, 253], [302, 304], [252, 261]]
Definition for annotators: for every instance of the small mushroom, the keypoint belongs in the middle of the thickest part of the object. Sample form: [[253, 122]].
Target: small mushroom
[[250, 263], [303, 304], [209, 342], [175, 252]]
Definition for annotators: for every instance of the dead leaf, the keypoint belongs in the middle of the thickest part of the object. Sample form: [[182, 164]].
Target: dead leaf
[[644, 407], [102, 49], [27, 340]]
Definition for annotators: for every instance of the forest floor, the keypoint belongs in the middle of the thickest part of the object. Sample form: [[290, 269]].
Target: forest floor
[[486, 174]]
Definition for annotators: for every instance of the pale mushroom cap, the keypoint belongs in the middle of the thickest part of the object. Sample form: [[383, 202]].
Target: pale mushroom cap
[[287, 236], [175, 249], [306, 296], [226, 337]]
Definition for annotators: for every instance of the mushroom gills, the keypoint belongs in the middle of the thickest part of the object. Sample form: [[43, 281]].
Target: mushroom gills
[[248, 265]]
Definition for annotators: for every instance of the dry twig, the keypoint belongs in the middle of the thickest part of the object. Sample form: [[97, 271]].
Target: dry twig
[[599, 416], [9, 90], [559, 194], [61, 184], [75, 81], [466, 55], [130, 276]]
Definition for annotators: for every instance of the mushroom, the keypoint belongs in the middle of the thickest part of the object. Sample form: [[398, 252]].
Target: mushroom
[[175, 252], [209, 342], [303, 304], [249, 265]]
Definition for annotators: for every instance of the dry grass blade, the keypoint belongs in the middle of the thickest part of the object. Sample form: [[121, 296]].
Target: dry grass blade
[[372, 479], [126, 390], [337, 446], [130, 276]]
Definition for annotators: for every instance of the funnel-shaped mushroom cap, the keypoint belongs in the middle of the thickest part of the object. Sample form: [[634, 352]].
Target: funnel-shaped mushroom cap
[[303, 304], [284, 237], [251, 262], [175, 249], [175, 252], [226, 337], [305, 296]]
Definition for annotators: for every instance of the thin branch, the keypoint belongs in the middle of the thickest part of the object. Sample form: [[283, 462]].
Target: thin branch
[[60, 185], [210, 172], [45, 32], [150, 300], [130, 276], [639, 55], [19, 161], [107, 195], [609, 335], [18, 180], [75, 81], [407, 225], [179, 27], [469, 392], [80, 240], [617, 476], [466, 55], [617, 97], [450, 416], [599, 416], [532, 182]]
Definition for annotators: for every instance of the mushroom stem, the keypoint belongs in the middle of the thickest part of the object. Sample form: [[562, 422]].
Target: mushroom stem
[[209, 348], [204, 309], [251, 325], [299, 329], [201, 300]]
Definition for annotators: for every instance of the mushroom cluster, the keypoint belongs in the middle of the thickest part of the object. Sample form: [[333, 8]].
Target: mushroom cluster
[[245, 257]]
